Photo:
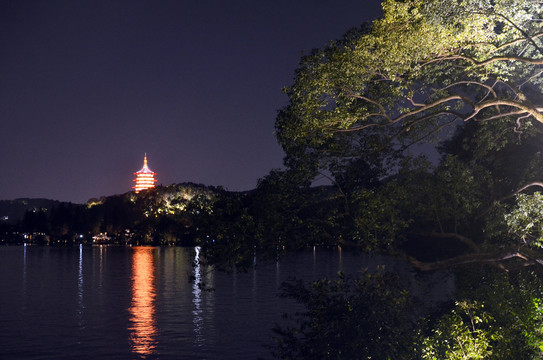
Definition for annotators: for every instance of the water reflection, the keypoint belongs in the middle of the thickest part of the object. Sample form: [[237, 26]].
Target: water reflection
[[99, 254], [80, 278], [80, 304], [197, 300], [23, 302], [143, 330], [24, 264]]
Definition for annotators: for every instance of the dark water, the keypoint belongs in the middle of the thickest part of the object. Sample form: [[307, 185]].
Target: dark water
[[136, 302]]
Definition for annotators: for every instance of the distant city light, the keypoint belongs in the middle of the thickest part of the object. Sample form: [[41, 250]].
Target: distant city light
[[145, 178]]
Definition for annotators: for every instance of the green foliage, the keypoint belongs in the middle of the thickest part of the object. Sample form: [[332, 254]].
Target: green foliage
[[511, 299], [378, 217], [281, 215], [526, 219], [466, 333], [226, 233], [425, 65], [349, 318], [358, 105], [497, 317], [456, 194], [534, 331]]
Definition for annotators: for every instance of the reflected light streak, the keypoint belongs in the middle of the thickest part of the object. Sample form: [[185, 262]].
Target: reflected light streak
[[80, 277], [80, 304], [23, 302], [143, 328], [24, 262], [197, 299]]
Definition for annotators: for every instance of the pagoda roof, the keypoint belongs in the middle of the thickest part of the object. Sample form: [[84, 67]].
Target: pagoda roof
[[145, 169]]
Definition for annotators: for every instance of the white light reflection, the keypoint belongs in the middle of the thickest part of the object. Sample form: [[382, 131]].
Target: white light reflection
[[80, 305], [24, 262], [80, 276], [198, 320], [23, 302]]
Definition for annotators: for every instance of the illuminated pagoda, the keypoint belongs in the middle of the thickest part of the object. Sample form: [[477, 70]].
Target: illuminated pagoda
[[145, 178]]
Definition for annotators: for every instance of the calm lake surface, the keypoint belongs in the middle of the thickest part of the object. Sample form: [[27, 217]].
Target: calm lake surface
[[137, 303]]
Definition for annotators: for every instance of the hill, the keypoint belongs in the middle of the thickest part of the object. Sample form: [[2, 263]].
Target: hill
[[13, 211]]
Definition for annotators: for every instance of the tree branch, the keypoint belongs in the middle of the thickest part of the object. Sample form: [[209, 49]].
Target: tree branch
[[469, 259], [535, 183], [399, 118], [488, 61], [524, 33], [525, 107]]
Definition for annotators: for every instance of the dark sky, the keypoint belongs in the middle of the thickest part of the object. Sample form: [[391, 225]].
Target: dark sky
[[87, 87]]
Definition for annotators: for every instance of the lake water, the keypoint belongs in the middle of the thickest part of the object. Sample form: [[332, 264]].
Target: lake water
[[137, 303]]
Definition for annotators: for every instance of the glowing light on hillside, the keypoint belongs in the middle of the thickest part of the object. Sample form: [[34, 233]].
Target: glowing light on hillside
[[145, 178]]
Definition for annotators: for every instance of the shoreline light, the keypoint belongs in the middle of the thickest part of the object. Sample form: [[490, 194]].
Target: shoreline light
[[145, 178]]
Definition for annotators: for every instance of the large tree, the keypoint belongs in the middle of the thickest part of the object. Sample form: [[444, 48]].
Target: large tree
[[421, 67], [425, 67], [472, 67]]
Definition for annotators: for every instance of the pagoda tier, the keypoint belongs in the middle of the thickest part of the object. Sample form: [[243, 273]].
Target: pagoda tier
[[145, 178]]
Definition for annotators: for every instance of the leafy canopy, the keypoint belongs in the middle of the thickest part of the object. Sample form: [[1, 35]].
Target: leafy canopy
[[423, 66]]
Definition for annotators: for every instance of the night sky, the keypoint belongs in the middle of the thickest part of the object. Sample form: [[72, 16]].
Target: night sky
[[87, 87]]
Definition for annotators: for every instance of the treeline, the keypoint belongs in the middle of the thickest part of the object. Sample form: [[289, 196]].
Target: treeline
[[280, 214], [160, 216]]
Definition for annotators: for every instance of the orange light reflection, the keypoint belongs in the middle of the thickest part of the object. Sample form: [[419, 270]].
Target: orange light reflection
[[142, 309]]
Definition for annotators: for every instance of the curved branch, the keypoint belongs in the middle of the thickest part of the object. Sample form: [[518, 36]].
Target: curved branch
[[530, 79], [516, 41], [499, 116], [351, 93], [469, 259], [535, 183], [488, 87], [525, 107], [499, 47], [358, 128], [403, 116], [433, 132], [530, 257], [426, 117], [476, 83], [491, 60]]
